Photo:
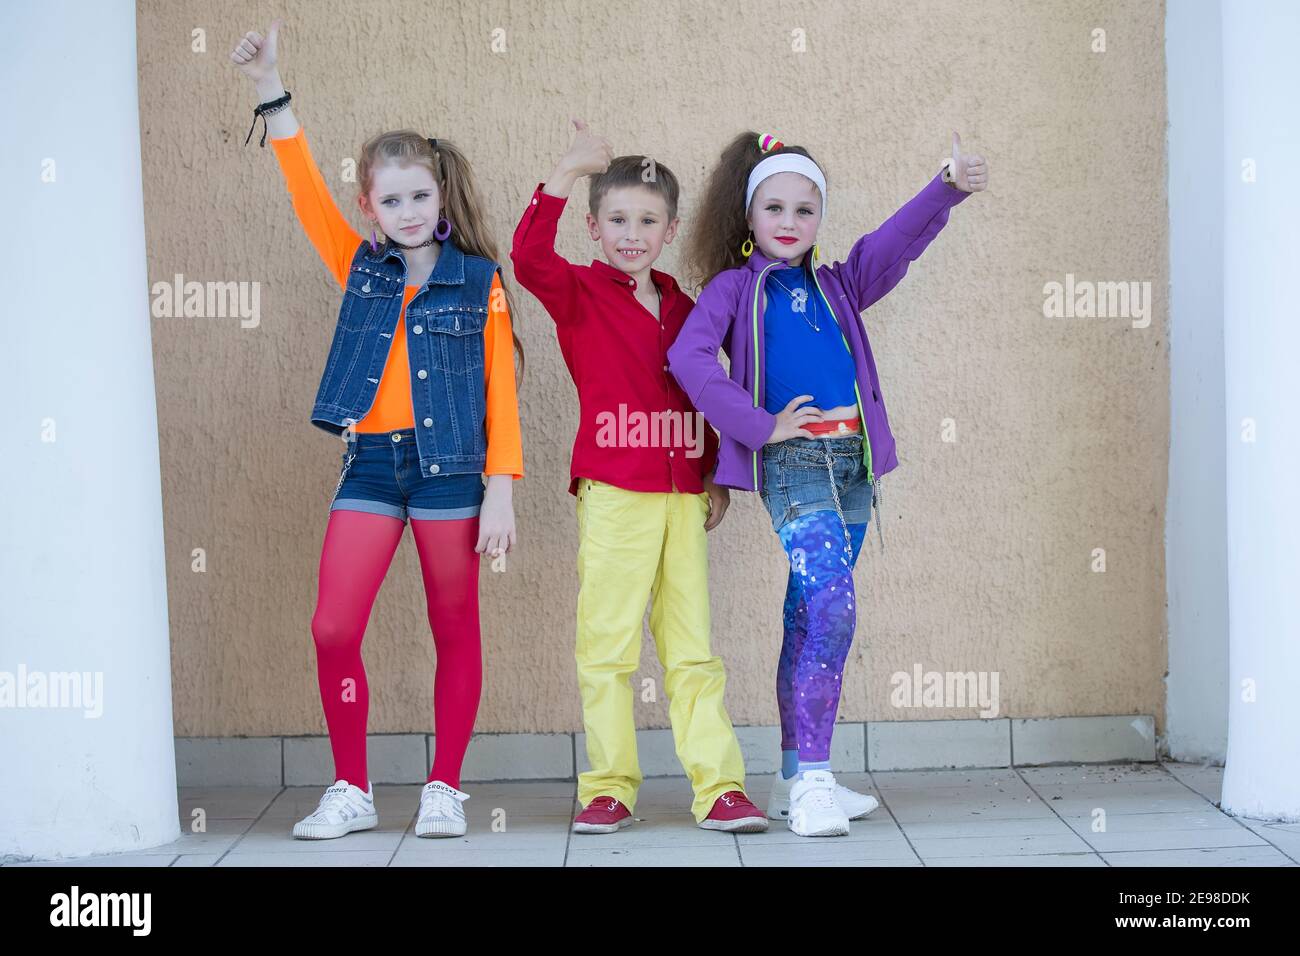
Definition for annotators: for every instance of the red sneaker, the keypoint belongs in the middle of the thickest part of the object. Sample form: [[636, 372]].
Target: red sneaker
[[602, 815], [733, 812]]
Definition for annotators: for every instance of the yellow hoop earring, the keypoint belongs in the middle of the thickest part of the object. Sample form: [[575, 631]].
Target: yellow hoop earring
[[747, 248], [816, 253]]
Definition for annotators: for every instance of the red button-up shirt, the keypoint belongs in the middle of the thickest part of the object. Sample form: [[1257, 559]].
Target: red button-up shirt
[[616, 353]]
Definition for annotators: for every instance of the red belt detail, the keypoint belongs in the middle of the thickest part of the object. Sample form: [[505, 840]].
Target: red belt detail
[[832, 426]]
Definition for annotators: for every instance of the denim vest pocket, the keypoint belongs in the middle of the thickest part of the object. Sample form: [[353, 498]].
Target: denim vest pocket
[[367, 297], [455, 337]]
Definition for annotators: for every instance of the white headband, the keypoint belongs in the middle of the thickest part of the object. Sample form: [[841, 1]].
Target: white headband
[[786, 163]]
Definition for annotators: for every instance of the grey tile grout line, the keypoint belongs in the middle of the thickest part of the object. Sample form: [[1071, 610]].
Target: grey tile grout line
[[230, 849], [1168, 773], [1095, 852], [405, 830], [1165, 769], [281, 741], [568, 837], [885, 806], [1236, 820]]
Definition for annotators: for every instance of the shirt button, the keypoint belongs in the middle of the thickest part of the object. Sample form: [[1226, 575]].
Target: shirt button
[[428, 423], [418, 329], [671, 453], [422, 374], [396, 436], [665, 368], [433, 469], [534, 200]]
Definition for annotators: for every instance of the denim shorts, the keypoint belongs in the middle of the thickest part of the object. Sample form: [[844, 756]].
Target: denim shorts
[[381, 475], [797, 479]]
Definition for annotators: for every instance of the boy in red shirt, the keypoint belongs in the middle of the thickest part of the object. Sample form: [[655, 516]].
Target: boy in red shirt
[[640, 472]]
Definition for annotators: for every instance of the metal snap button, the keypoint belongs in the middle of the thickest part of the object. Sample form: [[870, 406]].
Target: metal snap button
[[418, 329], [422, 374], [396, 437], [433, 469], [428, 423]]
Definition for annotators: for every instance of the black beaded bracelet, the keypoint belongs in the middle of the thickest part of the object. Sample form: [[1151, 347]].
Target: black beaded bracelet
[[264, 110]]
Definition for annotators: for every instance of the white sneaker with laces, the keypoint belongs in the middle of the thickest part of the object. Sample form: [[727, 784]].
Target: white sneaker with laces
[[343, 809], [855, 805], [813, 810], [441, 813]]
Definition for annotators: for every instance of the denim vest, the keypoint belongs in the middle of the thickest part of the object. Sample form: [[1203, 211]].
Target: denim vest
[[444, 344]]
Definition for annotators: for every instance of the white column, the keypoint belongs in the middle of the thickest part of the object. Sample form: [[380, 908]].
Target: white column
[[82, 581], [1196, 531], [1261, 260]]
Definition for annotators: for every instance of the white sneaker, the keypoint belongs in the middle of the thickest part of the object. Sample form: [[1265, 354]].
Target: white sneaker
[[813, 810], [441, 813], [342, 809], [855, 805]]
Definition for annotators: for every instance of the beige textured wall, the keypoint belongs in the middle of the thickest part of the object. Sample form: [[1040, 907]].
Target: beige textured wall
[[1062, 426]]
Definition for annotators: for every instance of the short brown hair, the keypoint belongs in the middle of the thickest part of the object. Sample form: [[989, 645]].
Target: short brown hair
[[635, 171]]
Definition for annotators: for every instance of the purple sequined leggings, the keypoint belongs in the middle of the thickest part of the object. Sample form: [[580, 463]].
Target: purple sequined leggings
[[818, 620]]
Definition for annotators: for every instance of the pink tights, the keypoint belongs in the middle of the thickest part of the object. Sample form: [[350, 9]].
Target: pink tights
[[355, 557]]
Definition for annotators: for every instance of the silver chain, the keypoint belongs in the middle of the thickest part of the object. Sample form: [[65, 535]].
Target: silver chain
[[343, 474], [835, 496], [804, 289], [877, 500]]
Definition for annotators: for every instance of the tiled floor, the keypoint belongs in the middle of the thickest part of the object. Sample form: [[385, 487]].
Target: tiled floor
[[1084, 815]]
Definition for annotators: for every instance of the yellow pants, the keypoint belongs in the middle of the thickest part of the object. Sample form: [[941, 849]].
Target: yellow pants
[[633, 546]]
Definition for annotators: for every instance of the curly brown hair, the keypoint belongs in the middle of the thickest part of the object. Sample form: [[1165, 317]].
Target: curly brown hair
[[464, 208], [714, 242]]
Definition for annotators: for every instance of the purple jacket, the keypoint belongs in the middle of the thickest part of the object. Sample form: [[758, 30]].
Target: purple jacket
[[729, 314]]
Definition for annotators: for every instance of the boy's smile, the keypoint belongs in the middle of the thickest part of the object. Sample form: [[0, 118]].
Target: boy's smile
[[632, 228]]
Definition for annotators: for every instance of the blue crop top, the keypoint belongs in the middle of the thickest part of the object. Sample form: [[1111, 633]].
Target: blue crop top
[[801, 361]]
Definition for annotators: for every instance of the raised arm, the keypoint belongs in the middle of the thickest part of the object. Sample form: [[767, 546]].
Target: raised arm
[[538, 267], [880, 259], [330, 233]]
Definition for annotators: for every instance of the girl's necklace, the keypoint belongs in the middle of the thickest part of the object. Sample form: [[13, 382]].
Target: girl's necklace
[[798, 301], [428, 242]]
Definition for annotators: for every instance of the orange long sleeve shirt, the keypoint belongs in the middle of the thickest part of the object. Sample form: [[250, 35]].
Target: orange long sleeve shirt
[[336, 242]]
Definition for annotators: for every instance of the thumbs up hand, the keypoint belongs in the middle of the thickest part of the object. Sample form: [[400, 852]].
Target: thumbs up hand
[[969, 172], [256, 56]]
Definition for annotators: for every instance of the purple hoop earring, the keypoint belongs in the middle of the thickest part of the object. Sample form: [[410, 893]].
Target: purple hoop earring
[[373, 247], [443, 230]]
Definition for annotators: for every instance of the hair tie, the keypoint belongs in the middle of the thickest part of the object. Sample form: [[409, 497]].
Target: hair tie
[[433, 143], [767, 142]]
